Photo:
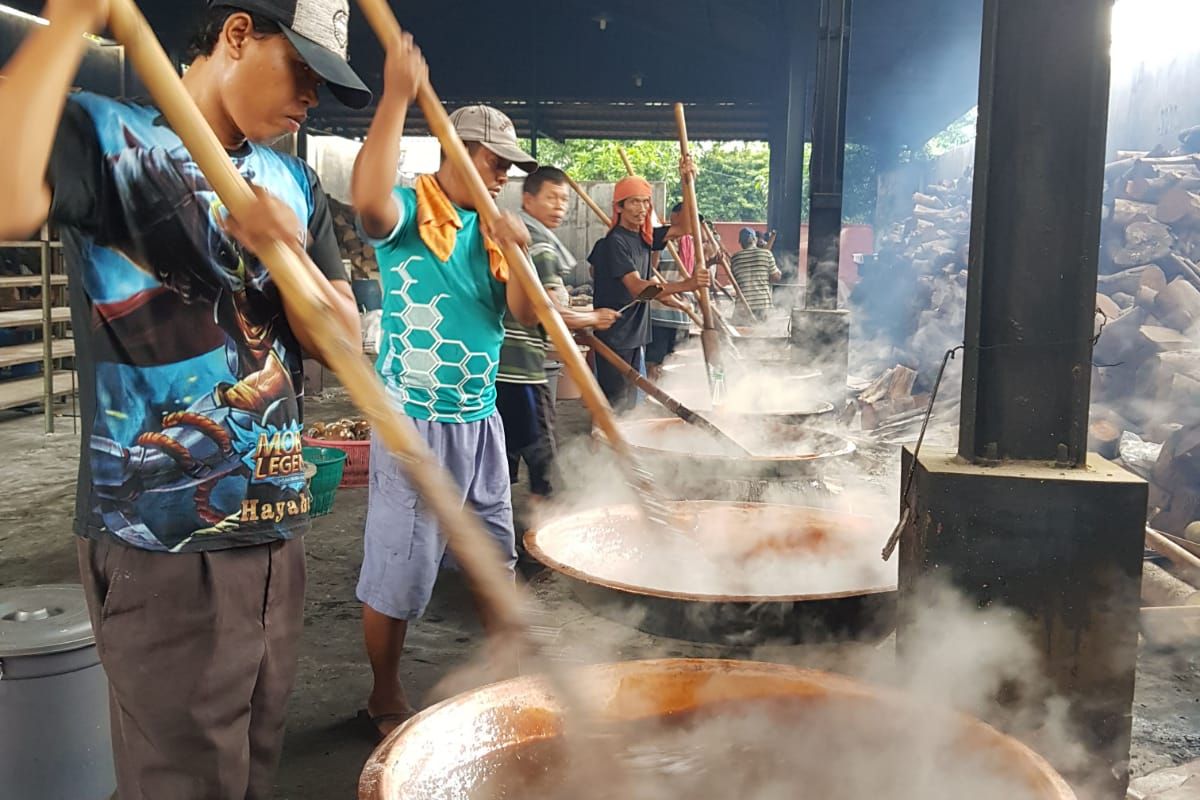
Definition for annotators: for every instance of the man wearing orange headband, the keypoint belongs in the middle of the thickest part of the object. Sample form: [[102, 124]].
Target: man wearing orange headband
[[621, 265]]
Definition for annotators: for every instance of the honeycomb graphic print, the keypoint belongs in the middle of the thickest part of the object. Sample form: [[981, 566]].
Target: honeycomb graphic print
[[429, 360]]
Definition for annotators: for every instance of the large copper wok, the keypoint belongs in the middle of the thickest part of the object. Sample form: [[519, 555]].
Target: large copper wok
[[743, 572], [914, 750], [687, 463]]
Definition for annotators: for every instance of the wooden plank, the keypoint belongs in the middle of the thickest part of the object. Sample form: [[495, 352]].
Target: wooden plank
[[27, 391], [26, 317], [33, 352], [22, 281]]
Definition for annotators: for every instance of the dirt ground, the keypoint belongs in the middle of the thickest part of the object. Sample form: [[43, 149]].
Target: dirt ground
[[325, 746]]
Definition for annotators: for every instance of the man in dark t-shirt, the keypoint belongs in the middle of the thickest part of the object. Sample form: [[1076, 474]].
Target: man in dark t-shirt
[[191, 498], [621, 271]]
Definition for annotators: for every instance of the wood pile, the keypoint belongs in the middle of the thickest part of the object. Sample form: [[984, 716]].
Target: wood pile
[[910, 302], [909, 309], [360, 254], [1147, 374], [889, 396]]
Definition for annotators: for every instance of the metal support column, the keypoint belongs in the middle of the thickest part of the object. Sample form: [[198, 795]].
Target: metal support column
[[787, 148], [828, 153], [1035, 230], [1021, 517]]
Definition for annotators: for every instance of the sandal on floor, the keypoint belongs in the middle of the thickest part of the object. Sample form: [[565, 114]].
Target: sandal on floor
[[395, 719]]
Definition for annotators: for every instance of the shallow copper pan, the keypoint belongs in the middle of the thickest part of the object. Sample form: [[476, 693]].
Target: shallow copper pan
[[446, 749], [822, 579], [783, 447]]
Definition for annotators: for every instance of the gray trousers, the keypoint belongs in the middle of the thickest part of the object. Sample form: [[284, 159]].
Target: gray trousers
[[403, 549], [200, 652]]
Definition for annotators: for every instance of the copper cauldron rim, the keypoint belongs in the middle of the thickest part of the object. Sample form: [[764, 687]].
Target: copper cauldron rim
[[846, 448], [535, 549], [376, 782]]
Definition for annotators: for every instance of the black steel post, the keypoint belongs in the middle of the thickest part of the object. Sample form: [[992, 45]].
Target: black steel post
[[1035, 230], [828, 153], [787, 148]]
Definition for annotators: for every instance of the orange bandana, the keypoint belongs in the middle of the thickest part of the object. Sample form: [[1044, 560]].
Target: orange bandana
[[438, 224], [633, 186]]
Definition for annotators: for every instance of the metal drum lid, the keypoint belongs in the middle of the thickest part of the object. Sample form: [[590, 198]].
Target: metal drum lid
[[40, 620]]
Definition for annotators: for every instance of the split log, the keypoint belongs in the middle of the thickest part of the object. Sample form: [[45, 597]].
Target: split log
[[1161, 588], [896, 383], [921, 199], [1107, 306], [1104, 438], [1145, 298], [1175, 266], [1154, 375], [1126, 212], [1129, 281], [1178, 206], [1145, 242], [1123, 300], [1156, 339], [1178, 305], [1118, 342]]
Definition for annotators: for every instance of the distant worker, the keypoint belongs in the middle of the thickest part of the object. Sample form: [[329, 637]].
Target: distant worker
[[755, 270], [621, 264], [522, 389]]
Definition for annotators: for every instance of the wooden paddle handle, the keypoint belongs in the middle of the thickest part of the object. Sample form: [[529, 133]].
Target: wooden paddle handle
[[625, 160], [381, 19], [1178, 556], [692, 211], [708, 338], [471, 545], [590, 203]]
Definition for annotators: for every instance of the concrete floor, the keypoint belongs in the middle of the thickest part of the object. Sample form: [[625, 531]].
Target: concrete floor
[[325, 747]]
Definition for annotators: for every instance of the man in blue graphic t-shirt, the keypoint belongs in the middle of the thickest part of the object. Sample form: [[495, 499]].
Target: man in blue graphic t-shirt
[[191, 499]]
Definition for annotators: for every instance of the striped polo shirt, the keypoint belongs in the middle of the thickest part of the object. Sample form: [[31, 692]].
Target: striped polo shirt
[[753, 269]]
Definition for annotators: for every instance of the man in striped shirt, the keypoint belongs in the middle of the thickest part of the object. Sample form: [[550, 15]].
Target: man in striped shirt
[[522, 389], [754, 269]]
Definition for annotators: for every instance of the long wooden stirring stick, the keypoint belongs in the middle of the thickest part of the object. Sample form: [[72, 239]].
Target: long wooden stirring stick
[[473, 548], [708, 336], [381, 19], [677, 408]]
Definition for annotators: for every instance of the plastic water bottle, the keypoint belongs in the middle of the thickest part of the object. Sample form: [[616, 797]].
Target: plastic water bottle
[[718, 386]]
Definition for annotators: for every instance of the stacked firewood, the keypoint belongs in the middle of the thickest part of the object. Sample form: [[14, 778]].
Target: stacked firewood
[[360, 254], [1147, 374], [909, 304]]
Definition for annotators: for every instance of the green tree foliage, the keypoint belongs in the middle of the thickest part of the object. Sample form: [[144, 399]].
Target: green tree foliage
[[734, 176]]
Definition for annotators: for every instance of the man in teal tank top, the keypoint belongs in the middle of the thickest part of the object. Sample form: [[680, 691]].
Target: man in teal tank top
[[446, 290]]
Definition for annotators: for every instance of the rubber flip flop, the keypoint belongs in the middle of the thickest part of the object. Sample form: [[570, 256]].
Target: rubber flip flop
[[397, 717]]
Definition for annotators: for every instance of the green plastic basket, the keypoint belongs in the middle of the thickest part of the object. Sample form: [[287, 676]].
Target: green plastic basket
[[329, 463]]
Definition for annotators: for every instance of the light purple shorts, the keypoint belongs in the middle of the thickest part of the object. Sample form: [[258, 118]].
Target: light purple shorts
[[403, 549]]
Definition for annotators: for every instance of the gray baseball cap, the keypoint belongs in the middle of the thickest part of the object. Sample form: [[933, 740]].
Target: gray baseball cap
[[320, 32], [494, 130]]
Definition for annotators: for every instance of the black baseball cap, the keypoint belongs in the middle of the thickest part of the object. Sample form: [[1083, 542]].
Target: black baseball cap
[[320, 32]]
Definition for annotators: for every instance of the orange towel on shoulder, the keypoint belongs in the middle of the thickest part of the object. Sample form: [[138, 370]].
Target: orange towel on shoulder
[[438, 224]]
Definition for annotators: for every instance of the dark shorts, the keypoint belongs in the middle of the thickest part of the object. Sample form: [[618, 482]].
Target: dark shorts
[[662, 344], [621, 394], [528, 415], [200, 653]]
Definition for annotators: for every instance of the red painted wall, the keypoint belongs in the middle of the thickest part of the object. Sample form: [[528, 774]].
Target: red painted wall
[[855, 239]]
